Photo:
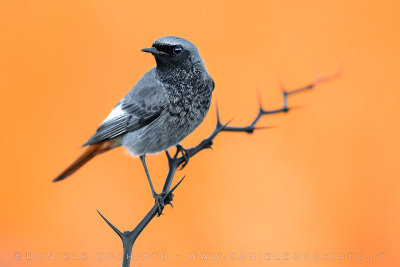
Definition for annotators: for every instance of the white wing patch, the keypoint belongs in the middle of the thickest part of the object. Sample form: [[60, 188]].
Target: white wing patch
[[115, 113]]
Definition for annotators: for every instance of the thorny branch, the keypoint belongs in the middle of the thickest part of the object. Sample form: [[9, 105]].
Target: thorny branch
[[129, 237]]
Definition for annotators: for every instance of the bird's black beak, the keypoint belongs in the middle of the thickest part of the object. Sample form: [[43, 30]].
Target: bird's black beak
[[154, 51]]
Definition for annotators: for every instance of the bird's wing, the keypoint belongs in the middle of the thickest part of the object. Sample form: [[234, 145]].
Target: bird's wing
[[141, 106]]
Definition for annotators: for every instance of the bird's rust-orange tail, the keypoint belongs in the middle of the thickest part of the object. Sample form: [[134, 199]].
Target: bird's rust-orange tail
[[89, 153]]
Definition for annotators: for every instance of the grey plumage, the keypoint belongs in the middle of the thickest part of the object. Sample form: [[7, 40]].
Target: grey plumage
[[166, 104]]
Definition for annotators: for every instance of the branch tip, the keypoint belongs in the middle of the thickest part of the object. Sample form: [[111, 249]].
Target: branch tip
[[265, 127], [173, 188], [259, 100], [226, 124], [281, 85], [119, 233], [218, 117]]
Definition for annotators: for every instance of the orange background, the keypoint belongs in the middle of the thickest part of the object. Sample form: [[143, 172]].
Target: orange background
[[325, 181]]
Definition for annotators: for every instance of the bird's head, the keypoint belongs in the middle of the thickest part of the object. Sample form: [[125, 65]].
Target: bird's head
[[172, 51]]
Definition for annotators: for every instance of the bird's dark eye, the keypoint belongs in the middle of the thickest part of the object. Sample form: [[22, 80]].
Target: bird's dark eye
[[177, 50]]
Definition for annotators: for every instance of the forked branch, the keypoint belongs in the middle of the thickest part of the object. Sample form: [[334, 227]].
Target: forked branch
[[129, 237]]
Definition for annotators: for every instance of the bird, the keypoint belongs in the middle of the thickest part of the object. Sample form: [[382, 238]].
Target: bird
[[168, 103]]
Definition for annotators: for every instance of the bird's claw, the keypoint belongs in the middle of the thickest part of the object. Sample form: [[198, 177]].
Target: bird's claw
[[168, 199], [185, 155], [161, 200]]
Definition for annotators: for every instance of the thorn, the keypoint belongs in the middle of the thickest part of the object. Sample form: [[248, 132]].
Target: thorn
[[217, 111], [281, 85], [172, 190], [223, 126], [226, 124], [111, 225], [334, 76], [259, 100], [264, 127]]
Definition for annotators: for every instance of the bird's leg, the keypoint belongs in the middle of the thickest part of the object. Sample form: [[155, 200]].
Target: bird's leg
[[185, 154], [142, 158], [159, 198]]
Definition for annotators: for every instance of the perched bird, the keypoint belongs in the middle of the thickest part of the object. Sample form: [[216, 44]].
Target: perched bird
[[164, 106]]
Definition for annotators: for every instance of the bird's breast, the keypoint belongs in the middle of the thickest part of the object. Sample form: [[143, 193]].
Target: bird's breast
[[189, 98]]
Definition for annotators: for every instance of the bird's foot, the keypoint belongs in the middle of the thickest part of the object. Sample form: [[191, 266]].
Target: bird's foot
[[161, 200], [185, 154]]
